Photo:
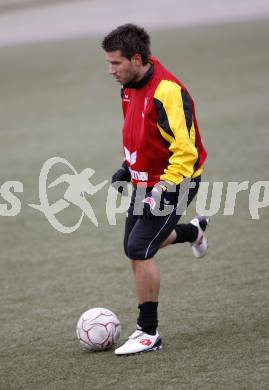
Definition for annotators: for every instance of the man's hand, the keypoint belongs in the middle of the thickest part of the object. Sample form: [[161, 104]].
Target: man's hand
[[163, 196], [122, 174]]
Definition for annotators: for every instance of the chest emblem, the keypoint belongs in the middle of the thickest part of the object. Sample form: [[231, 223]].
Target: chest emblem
[[145, 106]]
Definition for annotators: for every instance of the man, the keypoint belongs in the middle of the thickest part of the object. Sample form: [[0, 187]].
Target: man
[[163, 151]]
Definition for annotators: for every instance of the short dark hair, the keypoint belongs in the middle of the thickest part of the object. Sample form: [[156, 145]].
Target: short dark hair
[[129, 39]]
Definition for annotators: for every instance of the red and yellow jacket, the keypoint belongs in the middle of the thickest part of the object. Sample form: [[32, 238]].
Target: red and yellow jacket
[[161, 138]]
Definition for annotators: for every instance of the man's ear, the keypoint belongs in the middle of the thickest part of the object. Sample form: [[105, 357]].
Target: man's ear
[[137, 59]]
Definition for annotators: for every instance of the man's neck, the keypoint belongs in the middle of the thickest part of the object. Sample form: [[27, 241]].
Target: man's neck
[[142, 73], [142, 79]]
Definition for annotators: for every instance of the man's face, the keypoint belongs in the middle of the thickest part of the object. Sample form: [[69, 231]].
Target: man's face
[[121, 68]]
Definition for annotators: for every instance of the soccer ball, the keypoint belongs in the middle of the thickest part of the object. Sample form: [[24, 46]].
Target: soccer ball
[[98, 329]]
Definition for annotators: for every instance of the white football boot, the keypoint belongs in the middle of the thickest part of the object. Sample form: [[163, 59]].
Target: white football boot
[[140, 342], [200, 245]]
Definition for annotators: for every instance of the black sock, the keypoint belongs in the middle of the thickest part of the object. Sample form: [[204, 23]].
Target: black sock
[[148, 317], [186, 232]]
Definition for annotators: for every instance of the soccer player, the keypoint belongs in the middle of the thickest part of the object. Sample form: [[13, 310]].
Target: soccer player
[[163, 151]]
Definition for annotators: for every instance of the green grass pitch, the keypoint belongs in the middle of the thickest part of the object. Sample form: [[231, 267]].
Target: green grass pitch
[[56, 99]]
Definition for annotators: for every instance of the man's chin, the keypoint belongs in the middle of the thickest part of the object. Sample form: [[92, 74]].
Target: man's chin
[[119, 81], [129, 82], [124, 82]]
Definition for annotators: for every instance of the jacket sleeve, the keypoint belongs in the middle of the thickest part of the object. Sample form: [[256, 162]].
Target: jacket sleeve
[[175, 123]]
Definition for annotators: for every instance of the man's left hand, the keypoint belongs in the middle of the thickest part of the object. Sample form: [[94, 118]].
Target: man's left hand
[[161, 196]]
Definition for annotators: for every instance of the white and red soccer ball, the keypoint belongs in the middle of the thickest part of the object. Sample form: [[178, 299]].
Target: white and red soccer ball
[[98, 329]]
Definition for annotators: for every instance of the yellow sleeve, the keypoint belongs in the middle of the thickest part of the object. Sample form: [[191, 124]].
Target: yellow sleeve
[[175, 123]]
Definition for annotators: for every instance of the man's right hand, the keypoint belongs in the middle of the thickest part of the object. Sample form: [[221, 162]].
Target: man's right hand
[[122, 174]]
